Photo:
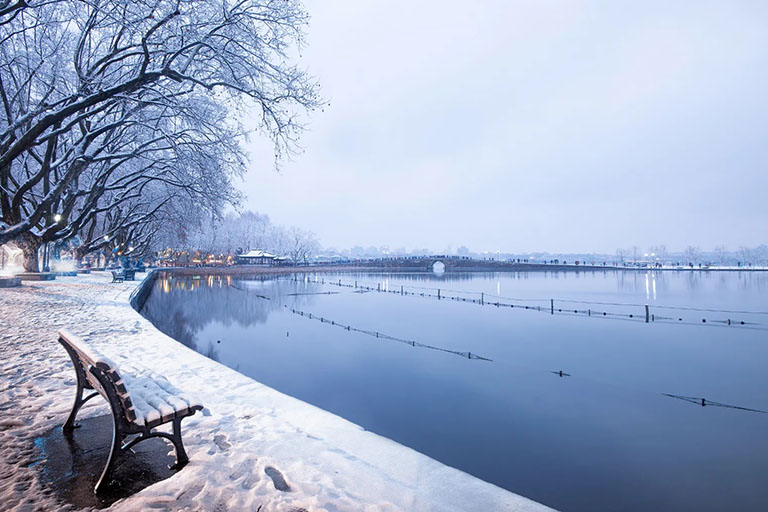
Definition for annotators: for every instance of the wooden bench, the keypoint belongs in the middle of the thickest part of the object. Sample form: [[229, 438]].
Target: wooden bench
[[117, 277], [139, 402]]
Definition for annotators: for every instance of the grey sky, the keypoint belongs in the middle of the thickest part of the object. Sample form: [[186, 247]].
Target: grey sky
[[520, 126]]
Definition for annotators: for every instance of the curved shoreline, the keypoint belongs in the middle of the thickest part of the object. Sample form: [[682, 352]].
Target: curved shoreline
[[451, 482]]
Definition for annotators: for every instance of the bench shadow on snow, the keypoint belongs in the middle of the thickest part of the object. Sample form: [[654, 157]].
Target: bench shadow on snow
[[70, 464]]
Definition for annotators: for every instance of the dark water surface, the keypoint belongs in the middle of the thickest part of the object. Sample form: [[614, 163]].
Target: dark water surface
[[604, 436]]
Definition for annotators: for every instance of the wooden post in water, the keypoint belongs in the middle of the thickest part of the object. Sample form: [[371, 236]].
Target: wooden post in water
[[378, 287], [401, 289], [482, 298], [438, 294], [551, 306], [647, 316]]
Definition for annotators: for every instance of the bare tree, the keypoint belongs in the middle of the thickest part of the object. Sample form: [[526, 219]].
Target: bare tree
[[761, 254], [251, 230], [135, 228], [746, 255], [692, 254], [660, 252], [148, 87], [721, 254], [301, 244]]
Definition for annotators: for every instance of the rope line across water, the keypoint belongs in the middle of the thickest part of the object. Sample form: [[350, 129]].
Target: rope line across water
[[641, 316], [380, 335]]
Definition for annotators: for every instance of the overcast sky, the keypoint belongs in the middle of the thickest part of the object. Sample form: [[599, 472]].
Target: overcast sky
[[526, 126]]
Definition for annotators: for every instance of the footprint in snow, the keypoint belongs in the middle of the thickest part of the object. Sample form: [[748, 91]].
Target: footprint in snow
[[245, 467], [250, 482], [221, 441], [277, 479], [190, 492]]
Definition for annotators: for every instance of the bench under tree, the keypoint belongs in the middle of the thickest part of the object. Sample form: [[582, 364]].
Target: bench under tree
[[139, 402]]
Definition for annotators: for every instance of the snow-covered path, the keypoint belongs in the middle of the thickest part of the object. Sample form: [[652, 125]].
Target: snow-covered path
[[247, 432]]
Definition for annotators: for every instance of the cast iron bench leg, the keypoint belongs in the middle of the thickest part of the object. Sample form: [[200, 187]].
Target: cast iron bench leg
[[79, 400], [174, 438], [114, 451], [178, 444], [70, 423]]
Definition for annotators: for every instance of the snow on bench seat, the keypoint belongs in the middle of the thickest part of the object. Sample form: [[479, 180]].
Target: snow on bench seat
[[155, 400]]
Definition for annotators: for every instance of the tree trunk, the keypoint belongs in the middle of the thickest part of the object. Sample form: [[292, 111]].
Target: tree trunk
[[29, 245], [79, 253]]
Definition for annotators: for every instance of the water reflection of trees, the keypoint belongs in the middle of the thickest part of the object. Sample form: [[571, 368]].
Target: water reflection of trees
[[693, 280], [182, 306], [627, 280]]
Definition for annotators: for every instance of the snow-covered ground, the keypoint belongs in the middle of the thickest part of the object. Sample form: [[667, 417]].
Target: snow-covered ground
[[328, 463]]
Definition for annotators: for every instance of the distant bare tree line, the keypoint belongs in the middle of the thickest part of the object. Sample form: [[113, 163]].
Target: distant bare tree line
[[692, 254], [234, 234]]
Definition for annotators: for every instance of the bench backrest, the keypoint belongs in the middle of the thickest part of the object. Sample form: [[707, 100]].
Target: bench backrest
[[87, 358]]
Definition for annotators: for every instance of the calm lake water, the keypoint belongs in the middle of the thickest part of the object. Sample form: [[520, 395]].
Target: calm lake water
[[604, 436]]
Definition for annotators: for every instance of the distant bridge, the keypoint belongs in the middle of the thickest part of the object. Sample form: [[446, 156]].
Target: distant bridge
[[467, 264]]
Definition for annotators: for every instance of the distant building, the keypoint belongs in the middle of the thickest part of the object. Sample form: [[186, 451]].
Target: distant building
[[262, 258], [281, 261]]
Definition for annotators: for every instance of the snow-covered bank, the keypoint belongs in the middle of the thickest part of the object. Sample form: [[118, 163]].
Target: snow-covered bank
[[247, 432]]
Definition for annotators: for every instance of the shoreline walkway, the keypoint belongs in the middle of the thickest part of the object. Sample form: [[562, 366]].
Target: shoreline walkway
[[252, 448]]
